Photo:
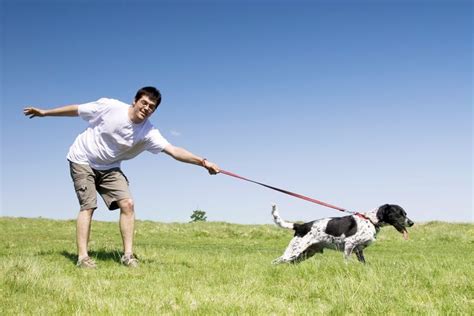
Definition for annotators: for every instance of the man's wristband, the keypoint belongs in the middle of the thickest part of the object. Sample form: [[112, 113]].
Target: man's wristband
[[203, 162]]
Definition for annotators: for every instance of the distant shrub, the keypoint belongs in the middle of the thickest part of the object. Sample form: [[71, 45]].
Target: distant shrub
[[198, 216]]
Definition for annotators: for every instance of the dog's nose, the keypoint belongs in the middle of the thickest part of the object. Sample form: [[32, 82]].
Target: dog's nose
[[410, 223]]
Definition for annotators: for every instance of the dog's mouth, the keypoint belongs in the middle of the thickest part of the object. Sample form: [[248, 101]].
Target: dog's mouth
[[405, 234], [402, 230]]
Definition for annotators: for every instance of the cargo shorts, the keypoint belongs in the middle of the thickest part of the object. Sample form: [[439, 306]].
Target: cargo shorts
[[112, 185]]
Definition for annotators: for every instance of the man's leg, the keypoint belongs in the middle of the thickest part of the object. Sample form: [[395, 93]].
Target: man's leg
[[127, 223], [84, 185], [114, 190], [83, 230]]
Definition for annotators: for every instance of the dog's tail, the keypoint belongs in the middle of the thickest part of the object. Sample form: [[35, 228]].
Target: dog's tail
[[280, 221]]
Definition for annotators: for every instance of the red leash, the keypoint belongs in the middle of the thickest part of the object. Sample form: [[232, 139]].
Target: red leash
[[291, 193]]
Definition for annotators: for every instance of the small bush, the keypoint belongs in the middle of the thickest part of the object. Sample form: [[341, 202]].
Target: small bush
[[198, 216]]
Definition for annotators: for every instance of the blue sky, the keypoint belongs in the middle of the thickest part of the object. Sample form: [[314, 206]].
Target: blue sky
[[356, 103]]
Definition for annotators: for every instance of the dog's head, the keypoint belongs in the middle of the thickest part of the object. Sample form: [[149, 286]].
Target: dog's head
[[390, 214]]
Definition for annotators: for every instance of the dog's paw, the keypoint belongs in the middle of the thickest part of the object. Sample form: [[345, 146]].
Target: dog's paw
[[277, 261]]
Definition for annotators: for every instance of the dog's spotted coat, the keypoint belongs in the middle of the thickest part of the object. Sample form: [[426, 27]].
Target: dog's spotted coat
[[349, 233]]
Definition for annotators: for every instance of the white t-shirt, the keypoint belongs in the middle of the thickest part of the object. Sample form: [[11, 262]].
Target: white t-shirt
[[111, 137]]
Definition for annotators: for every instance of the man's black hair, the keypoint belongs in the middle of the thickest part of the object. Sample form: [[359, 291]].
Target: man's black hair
[[151, 92]]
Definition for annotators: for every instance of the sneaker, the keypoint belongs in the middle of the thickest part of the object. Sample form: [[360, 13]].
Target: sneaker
[[129, 261], [87, 263]]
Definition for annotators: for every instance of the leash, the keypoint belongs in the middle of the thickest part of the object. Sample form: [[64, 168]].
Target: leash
[[295, 194]]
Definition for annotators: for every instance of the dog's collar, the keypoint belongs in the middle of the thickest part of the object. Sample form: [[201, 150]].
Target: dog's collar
[[363, 216], [367, 219]]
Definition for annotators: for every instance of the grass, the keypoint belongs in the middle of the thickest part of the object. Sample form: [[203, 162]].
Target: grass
[[220, 268]]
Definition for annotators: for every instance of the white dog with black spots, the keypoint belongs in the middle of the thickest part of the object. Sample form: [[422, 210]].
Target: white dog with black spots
[[350, 233]]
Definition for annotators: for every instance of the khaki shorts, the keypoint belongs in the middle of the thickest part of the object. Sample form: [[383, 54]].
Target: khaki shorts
[[111, 184]]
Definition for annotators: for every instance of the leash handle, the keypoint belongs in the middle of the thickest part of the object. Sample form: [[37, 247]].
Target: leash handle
[[287, 192]]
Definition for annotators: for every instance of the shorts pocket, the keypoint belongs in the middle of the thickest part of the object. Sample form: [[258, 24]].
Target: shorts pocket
[[85, 194], [81, 188]]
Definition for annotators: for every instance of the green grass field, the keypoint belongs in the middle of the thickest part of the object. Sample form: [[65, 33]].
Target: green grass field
[[219, 268]]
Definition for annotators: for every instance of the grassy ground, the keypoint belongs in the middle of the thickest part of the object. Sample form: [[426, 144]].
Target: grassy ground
[[220, 268]]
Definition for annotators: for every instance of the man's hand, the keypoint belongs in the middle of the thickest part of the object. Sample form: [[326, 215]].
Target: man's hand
[[210, 166], [67, 110], [32, 112]]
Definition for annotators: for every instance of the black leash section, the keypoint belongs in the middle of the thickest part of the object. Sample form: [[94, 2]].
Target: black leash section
[[291, 193]]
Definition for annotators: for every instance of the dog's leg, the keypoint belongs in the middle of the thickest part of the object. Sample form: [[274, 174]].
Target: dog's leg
[[295, 250], [360, 255], [348, 250], [312, 250], [292, 252]]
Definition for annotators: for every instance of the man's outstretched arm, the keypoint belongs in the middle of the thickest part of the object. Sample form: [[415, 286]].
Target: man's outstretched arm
[[183, 155], [67, 110]]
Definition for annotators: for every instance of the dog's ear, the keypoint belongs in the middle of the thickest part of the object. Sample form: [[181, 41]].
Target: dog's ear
[[382, 212]]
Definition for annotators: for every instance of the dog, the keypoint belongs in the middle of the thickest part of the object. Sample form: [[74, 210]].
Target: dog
[[350, 233]]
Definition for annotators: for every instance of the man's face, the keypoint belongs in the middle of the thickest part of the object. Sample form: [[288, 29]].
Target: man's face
[[143, 108]]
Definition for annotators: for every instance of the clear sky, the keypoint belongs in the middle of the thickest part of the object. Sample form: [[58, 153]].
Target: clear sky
[[356, 103]]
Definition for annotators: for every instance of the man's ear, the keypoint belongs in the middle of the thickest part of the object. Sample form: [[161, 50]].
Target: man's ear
[[134, 102]]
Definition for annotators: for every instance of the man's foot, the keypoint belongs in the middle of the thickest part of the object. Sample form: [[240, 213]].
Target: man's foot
[[86, 263], [129, 261]]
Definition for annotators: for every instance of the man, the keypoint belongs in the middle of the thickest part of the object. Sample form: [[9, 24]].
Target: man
[[116, 132]]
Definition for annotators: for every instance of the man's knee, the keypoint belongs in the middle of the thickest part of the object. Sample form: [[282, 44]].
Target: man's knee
[[126, 206], [88, 212]]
